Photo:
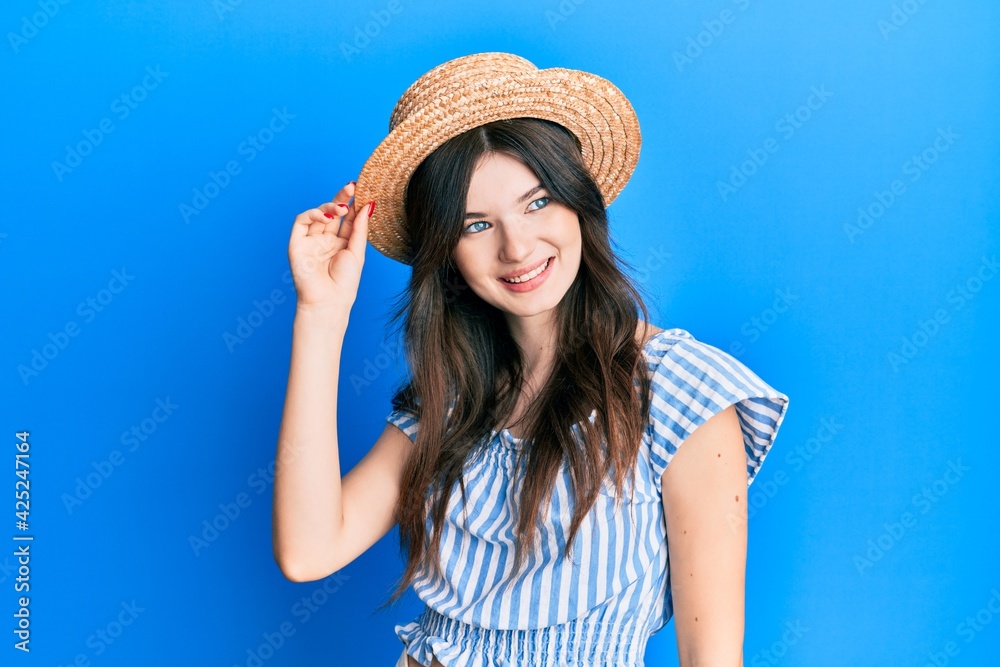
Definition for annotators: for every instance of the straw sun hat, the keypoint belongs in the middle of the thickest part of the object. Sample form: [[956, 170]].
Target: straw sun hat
[[480, 88]]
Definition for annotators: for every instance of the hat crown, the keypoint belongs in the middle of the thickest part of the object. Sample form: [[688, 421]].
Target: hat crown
[[481, 88], [451, 79]]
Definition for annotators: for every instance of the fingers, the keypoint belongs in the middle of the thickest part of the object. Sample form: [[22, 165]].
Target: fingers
[[348, 190], [326, 218], [358, 240], [339, 207], [309, 222], [343, 196], [335, 209], [347, 228]]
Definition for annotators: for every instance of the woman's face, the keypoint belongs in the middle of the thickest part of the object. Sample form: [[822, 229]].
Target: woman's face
[[513, 229]]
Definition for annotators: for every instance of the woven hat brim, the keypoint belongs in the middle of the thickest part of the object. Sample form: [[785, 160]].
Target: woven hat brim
[[591, 107]]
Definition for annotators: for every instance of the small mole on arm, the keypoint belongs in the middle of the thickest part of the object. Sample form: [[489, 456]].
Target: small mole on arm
[[737, 498], [696, 618]]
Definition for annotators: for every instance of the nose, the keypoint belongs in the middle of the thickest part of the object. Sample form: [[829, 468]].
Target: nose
[[516, 242]]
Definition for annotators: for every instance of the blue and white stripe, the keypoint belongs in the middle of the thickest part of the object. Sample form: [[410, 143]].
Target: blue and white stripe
[[601, 605]]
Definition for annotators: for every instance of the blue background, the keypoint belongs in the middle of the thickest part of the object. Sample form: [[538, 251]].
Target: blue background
[[860, 537]]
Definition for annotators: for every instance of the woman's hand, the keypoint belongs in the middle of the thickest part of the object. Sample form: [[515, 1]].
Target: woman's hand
[[327, 251]]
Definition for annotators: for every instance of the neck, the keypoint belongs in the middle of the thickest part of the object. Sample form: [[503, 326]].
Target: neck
[[536, 337]]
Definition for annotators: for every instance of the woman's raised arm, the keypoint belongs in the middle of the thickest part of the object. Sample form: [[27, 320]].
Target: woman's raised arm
[[326, 257]]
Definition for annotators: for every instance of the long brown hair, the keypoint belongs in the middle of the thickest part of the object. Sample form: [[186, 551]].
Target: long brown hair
[[462, 356]]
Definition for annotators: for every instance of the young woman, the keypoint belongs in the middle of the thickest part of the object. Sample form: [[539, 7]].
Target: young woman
[[533, 460]]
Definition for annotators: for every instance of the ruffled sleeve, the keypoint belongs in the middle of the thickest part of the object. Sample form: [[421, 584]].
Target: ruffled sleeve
[[406, 421], [692, 381]]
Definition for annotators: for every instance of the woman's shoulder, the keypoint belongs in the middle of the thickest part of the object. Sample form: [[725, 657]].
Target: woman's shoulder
[[688, 371], [646, 331], [654, 338], [678, 349]]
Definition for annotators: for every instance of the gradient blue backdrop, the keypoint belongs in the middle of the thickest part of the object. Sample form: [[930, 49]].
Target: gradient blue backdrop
[[873, 538]]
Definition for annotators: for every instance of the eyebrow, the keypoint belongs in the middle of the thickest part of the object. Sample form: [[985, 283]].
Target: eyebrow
[[521, 200]]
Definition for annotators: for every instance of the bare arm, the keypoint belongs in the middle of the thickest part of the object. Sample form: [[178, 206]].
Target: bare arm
[[704, 486], [308, 510], [321, 522]]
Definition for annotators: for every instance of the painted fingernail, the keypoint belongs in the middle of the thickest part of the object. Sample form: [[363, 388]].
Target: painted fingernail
[[371, 208], [353, 183], [328, 215], [341, 204]]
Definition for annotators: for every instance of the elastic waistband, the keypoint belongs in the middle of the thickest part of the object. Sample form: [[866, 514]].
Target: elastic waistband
[[582, 641]]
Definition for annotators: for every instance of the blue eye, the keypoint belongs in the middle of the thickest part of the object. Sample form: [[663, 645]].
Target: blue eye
[[468, 227], [545, 199]]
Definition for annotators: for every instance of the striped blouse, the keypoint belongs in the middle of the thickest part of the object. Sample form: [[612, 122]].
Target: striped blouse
[[601, 606]]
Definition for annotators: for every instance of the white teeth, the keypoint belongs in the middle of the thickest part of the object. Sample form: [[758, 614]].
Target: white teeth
[[528, 276]]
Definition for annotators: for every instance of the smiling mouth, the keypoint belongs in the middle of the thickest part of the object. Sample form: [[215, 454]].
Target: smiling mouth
[[530, 275]]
